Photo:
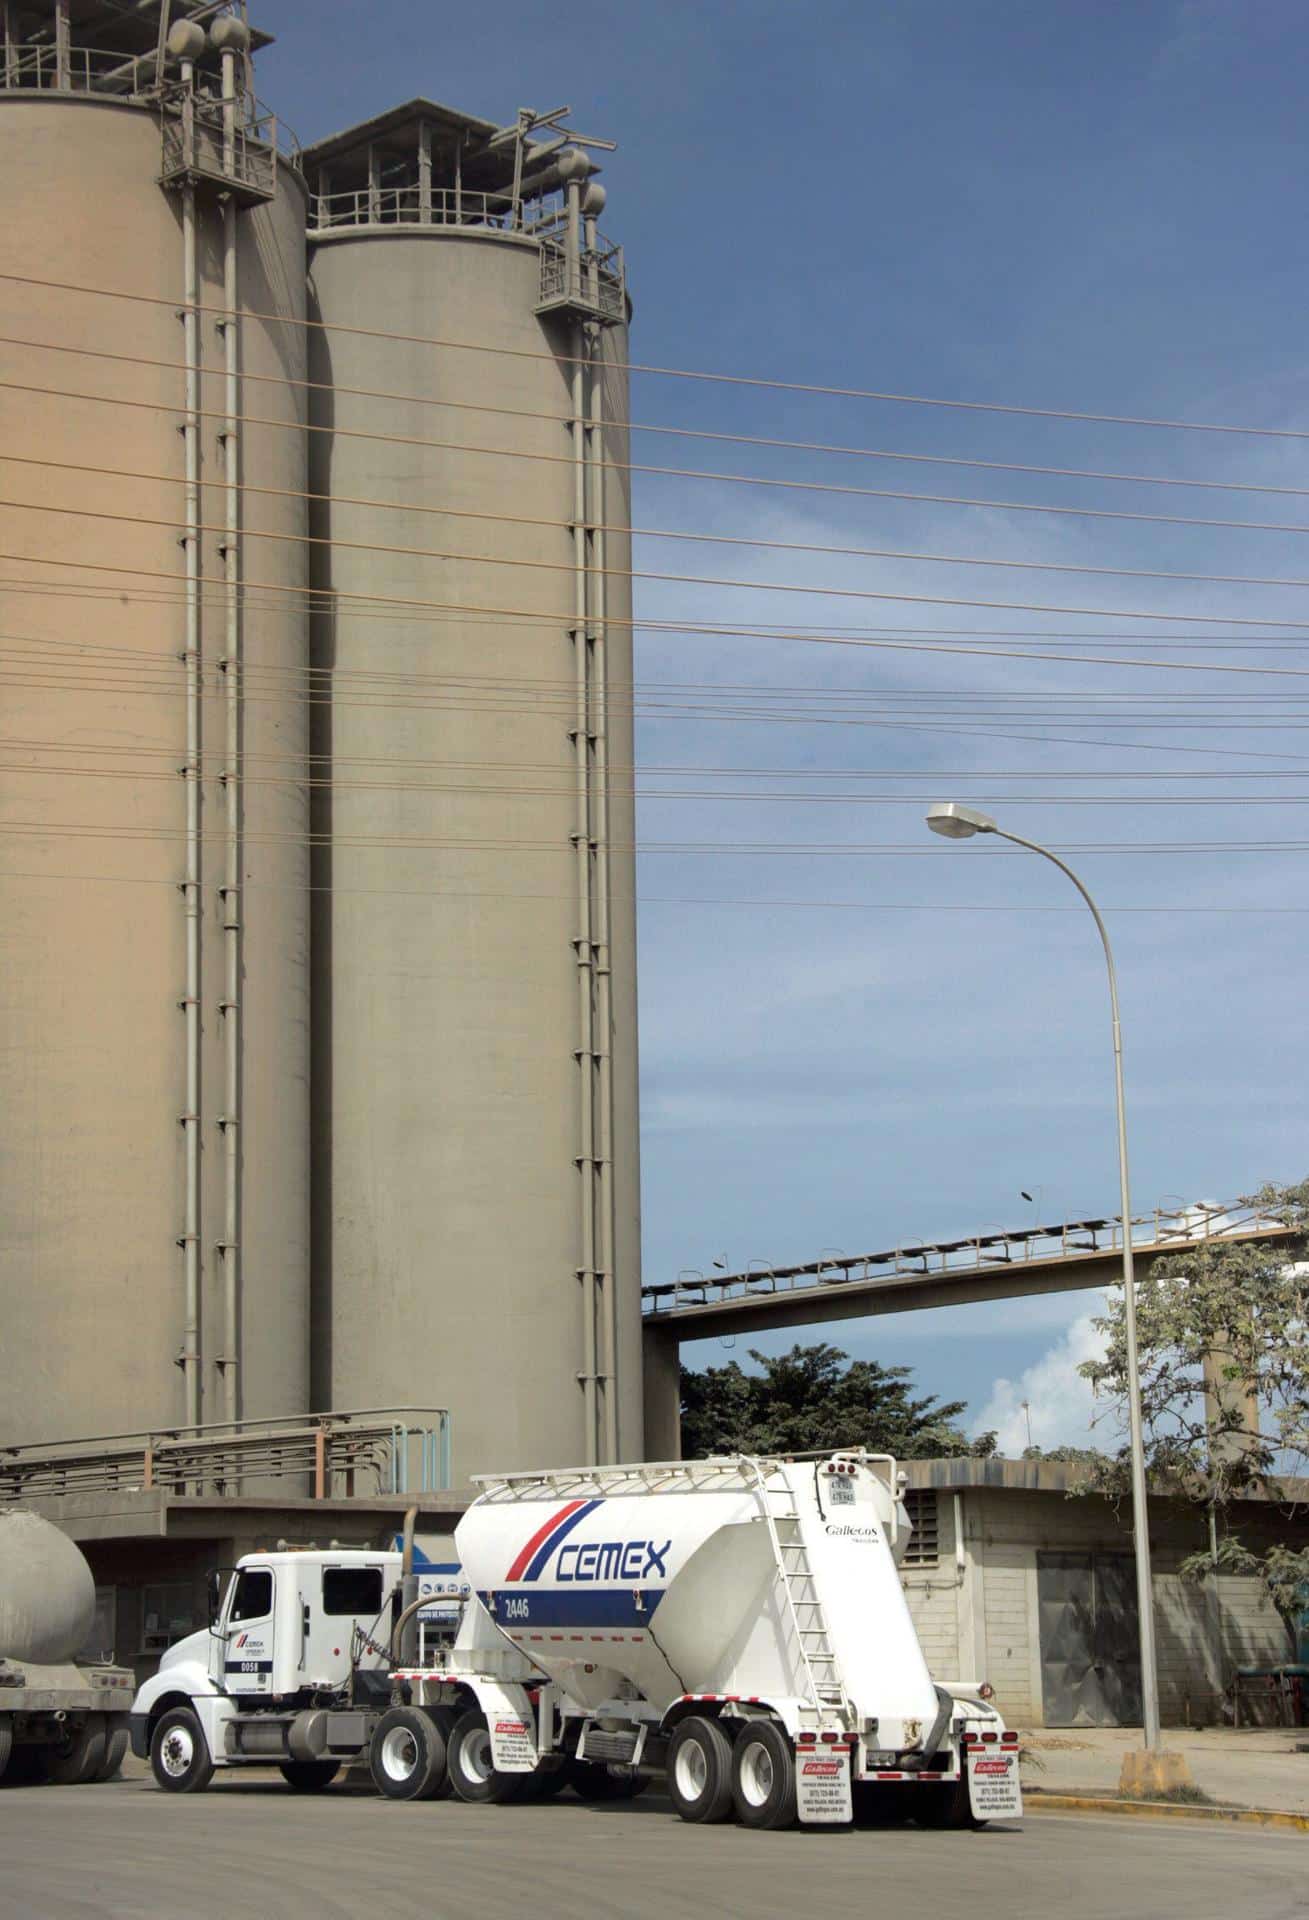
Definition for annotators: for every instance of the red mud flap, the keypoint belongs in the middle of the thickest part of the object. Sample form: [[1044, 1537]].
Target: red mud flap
[[822, 1786], [994, 1792]]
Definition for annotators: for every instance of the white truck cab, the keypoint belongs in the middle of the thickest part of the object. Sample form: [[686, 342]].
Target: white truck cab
[[297, 1654]]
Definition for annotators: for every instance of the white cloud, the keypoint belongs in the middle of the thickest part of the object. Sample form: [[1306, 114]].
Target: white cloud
[[1058, 1400]]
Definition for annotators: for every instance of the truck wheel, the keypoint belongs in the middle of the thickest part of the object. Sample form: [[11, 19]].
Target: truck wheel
[[472, 1764], [763, 1776], [6, 1745], [406, 1755], [179, 1753], [115, 1754], [700, 1771], [309, 1776], [80, 1754]]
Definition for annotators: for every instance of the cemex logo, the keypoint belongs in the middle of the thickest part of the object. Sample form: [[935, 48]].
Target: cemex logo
[[600, 1560]]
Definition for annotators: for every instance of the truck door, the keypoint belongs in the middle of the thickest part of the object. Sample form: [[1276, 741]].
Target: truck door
[[333, 1601], [248, 1653]]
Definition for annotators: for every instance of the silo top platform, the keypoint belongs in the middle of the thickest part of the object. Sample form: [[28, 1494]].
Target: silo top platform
[[97, 46], [424, 164]]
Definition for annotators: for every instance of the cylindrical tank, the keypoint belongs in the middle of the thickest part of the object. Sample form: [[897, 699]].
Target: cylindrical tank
[[47, 1594], [93, 1047], [447, 1244], [672, 1580]]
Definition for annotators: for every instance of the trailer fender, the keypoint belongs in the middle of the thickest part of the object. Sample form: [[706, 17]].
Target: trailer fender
[[511, 1723]]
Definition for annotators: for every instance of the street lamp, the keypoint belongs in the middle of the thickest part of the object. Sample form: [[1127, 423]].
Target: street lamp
[[955, 822]]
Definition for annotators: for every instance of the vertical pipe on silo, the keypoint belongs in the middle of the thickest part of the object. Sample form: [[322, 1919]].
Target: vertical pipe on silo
[[582, 944], [604, 997], [231, 891], [63, 49], [191, 773]]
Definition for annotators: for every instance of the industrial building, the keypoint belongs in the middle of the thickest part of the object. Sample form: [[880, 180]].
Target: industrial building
[[319, 1033]]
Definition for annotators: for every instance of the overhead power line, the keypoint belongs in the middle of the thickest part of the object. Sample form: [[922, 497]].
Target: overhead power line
[[674, 373], [770, 442]]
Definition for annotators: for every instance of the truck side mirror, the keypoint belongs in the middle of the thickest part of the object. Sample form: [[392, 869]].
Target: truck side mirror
[[214, 1586]]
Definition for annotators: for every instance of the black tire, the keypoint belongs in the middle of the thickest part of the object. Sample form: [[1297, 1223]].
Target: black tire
[[79, 1755], [763, 1775], [6, 1745], [407, 1755], [115, 1753], [947, 1805], [473, 1776], [309, 1776], [700, 1771], [594, 1780], [180, 1759]]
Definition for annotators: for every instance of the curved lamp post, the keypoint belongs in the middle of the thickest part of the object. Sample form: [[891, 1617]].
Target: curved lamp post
[[955, 822]]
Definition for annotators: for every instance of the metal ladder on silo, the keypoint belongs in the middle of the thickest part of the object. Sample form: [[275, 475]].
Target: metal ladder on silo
[[791, 1557]]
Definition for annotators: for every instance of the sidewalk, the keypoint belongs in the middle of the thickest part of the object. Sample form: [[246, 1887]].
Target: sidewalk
[[1255, 1767]]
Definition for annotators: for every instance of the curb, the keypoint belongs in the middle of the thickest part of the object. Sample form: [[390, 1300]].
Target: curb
[[1036, 1800]]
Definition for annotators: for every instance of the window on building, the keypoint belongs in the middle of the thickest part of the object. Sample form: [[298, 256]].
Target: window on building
[[356, 1590], [254, 1595], [924, 1541]]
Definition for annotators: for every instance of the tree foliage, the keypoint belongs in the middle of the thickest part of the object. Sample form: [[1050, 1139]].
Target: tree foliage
[[817, 1397], [1223, 1345]]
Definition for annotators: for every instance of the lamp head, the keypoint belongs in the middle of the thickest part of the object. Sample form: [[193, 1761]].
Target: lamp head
[[956, 822]]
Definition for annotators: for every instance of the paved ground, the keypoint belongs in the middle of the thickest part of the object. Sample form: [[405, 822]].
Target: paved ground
[[1257, 1767], [250, 1848]]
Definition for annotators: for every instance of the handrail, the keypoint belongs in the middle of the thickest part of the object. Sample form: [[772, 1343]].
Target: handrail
[[1164, 1230], [401, 1449]]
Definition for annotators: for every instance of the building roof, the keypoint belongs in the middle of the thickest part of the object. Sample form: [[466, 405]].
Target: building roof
[[485, 169]]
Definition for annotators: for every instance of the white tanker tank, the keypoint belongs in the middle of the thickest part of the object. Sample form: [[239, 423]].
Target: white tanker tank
[[740, 1623], [59, 1720]]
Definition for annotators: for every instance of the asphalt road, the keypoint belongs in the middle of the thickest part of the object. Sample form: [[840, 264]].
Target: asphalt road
[[251, 1848]]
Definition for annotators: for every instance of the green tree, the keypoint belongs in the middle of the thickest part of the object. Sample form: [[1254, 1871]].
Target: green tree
[[817, 1397], [1223, 1341]]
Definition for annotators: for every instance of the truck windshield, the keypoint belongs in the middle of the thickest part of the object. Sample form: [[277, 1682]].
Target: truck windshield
[[254, 1594]]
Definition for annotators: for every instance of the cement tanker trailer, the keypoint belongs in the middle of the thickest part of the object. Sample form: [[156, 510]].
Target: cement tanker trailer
[[59, 1720], [737, 1624]]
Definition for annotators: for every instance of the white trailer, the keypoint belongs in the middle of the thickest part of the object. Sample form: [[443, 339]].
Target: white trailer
[[738, 1625]]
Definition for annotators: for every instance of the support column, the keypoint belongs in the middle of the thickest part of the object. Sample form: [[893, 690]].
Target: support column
[[663, 1393], [425, 172]]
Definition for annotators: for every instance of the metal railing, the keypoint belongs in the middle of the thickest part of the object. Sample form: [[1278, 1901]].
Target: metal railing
[[1158, 1232], [39, 68], [592, 279], [406, 203], [369, 1450]]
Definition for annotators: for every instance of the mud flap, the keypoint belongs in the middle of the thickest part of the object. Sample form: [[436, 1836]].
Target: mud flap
[[822, 1786], [994, 1792], [511, 1725]]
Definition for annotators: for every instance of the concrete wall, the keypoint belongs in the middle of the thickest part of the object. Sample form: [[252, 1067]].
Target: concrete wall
[[985, 1624]]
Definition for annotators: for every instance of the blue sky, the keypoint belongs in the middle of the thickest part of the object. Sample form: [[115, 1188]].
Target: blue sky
[[1087, 207]]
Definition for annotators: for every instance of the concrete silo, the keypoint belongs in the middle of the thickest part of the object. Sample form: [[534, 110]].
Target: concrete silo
[[153, 949], [475, 1146]]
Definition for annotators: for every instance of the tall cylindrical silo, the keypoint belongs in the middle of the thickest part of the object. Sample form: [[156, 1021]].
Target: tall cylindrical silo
[[153, 949], [474, 1035]]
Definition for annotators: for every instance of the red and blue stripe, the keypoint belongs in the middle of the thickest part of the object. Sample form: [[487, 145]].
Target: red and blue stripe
[[543, 1542]]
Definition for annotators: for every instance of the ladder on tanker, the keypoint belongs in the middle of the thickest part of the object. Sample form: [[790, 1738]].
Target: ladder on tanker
[[803, 1606]]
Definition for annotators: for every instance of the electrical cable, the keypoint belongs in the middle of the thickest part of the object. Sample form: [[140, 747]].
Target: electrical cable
[[674, 373]]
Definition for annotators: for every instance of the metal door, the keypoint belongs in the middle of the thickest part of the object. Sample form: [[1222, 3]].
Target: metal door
[[1090, 1645]]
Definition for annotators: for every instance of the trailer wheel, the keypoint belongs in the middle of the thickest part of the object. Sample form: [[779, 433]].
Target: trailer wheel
[[79, 1755], [763, 1775], [27, 1765], [472, 1764], [6, 1745], [407, 1755], [115, 1754], [179, 1753], [309, 1776], [700, 1771]]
